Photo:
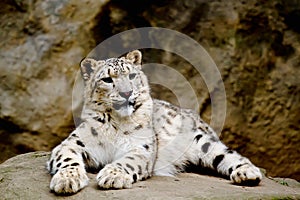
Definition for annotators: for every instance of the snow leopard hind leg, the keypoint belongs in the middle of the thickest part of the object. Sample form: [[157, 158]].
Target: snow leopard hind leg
[[213, 154], [194, 142]]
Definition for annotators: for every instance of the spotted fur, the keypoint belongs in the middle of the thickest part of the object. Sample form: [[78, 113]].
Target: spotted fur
[[127, 136]]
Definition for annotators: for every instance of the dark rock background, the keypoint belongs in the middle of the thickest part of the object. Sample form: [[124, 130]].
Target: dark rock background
[[255, 44]]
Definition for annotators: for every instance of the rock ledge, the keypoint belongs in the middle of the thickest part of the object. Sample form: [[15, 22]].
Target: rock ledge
[[25, 177]]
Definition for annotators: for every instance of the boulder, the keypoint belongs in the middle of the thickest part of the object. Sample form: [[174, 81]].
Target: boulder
[[25, 177]]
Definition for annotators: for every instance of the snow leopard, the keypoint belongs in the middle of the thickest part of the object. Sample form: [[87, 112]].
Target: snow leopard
[[127, 136]]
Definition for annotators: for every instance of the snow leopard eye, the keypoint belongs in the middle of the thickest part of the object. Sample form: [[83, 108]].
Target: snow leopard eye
[[107, 80], [132, 76]]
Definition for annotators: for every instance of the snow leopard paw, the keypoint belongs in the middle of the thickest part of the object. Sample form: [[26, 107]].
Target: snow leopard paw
[[114, 177], [246, 174], [69, 181]]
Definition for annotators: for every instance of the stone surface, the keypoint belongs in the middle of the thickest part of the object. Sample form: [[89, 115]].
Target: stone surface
[[25, 177]]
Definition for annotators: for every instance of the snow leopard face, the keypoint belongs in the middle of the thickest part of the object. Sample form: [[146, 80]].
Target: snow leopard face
[[115, 84]]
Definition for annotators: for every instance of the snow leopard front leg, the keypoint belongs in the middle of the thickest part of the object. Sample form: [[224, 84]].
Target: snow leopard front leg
[[66, 164], [123, 172], [134, 165], [212, 153]]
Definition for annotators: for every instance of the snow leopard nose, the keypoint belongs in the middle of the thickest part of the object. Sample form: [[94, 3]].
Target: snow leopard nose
[[125, 95]]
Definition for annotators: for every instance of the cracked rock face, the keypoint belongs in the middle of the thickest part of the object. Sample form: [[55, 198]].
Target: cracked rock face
[[42, 43], [254, 44]]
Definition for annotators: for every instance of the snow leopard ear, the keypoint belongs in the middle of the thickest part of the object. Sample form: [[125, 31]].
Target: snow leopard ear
[[135, 57], [88, 66]]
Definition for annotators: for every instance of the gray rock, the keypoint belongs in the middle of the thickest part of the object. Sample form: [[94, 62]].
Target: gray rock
[[39, 55], [25, 177]]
